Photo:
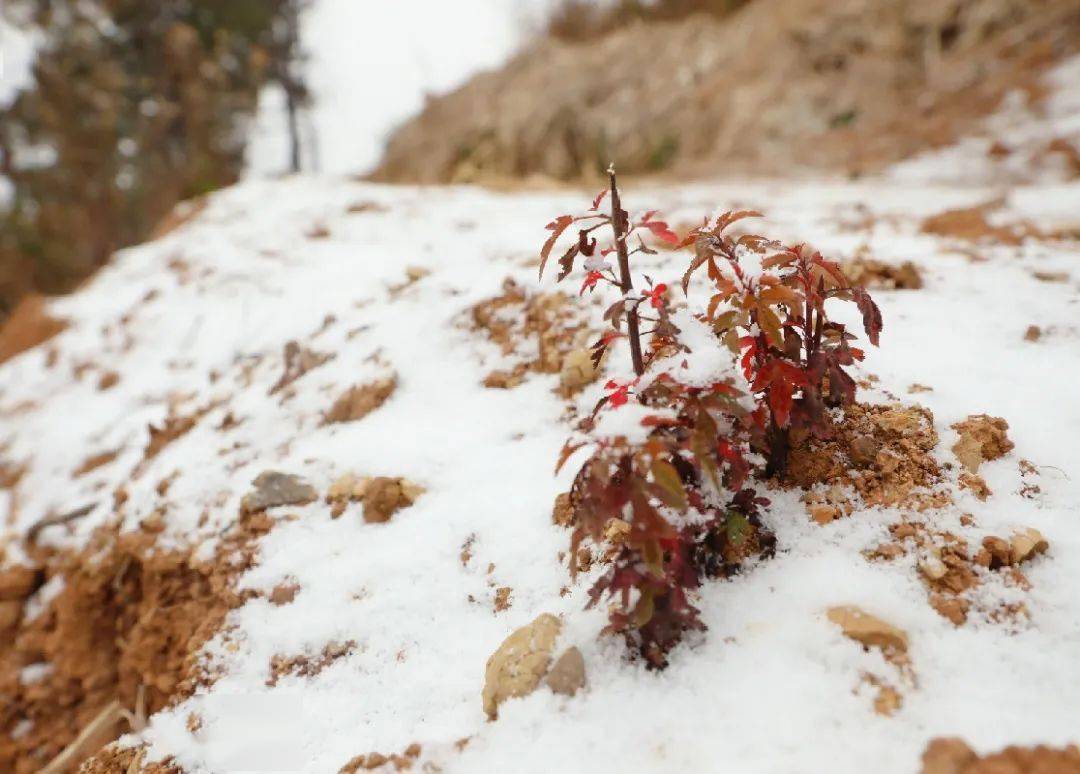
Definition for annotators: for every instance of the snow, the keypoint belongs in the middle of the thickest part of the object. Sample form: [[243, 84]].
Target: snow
[[1024, 129], [770, 687], [371, 66], [18, 47]]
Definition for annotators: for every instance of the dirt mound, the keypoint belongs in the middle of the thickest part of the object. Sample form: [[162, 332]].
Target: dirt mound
[[851, 84], [28, 326], [953, 756], [883, 453], [119, 623], [535, 332]]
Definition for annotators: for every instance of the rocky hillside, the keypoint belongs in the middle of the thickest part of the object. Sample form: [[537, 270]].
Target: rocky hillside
[[778, 87]]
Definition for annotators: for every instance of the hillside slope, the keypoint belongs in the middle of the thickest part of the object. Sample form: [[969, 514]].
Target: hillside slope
[[778, 87], [317, 329]]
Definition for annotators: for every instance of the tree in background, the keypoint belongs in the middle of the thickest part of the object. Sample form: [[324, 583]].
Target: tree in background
[[136, 105]]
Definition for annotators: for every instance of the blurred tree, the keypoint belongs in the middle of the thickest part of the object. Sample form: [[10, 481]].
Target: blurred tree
[[137, 104]]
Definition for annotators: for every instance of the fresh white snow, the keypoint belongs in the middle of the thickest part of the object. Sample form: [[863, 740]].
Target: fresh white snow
[[771, 687], [370, 65]]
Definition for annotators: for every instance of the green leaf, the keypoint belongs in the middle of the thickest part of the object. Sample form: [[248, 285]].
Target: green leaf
[[736, 527], [667, 477]]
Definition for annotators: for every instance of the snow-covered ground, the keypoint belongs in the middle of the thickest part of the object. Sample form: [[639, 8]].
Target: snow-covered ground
[[200, 318], [370, 65], [1016, 143]]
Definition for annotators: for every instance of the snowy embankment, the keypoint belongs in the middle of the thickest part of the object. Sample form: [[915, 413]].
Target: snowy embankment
[[197, 323]]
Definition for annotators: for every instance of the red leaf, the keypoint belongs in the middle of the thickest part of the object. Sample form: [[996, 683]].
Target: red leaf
[[871, 315], [660, 229], [728, 218], [590, 281], [780, 401], [556, 227], [599, 198]]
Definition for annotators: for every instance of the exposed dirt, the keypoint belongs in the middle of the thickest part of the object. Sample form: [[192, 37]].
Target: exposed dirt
[[359, 401], [126, 760], [28, 326], [374, 760], [883, 453], [982, 438], [850, 85], [954, 756], [875, 275], [970, 224], [126, 626], [537, 332], [305, 665]]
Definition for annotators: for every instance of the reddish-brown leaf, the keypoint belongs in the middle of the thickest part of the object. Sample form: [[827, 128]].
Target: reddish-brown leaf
[[556, 227]]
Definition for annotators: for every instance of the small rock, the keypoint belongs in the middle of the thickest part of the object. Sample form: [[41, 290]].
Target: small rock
[[17, 583], [273, 489], [577, 370], [886, 552], [567, 675], [933, 568], [562, 512], [1033, 333], [868, 629], [953, 608], [384, 496], [901, 420], [823, 514], [904, 529], [982, 438], [975, 484], [345, 488], [502, 598], [616, 531], [283, 594], [887, 701], [1025, 544], [946, 756], [998, 552], [864, 449], [519, 664], [1051, 276], [504, 380], [10, 613], [359, 401]]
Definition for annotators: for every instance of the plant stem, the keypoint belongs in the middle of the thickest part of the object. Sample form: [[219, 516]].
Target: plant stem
[[620, 225]]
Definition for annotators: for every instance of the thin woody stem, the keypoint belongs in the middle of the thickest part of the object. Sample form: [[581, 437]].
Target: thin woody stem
[[620, 225]]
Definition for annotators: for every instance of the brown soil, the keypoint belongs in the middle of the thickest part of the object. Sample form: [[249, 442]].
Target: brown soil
[[954, 756], [113, 760], [304, 665], [538, 331], [129, 622], [28, 326], [874, 274], [970, 224], [982, 437], [375, 760], [850, 85], [359, 401], [884, 453]]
